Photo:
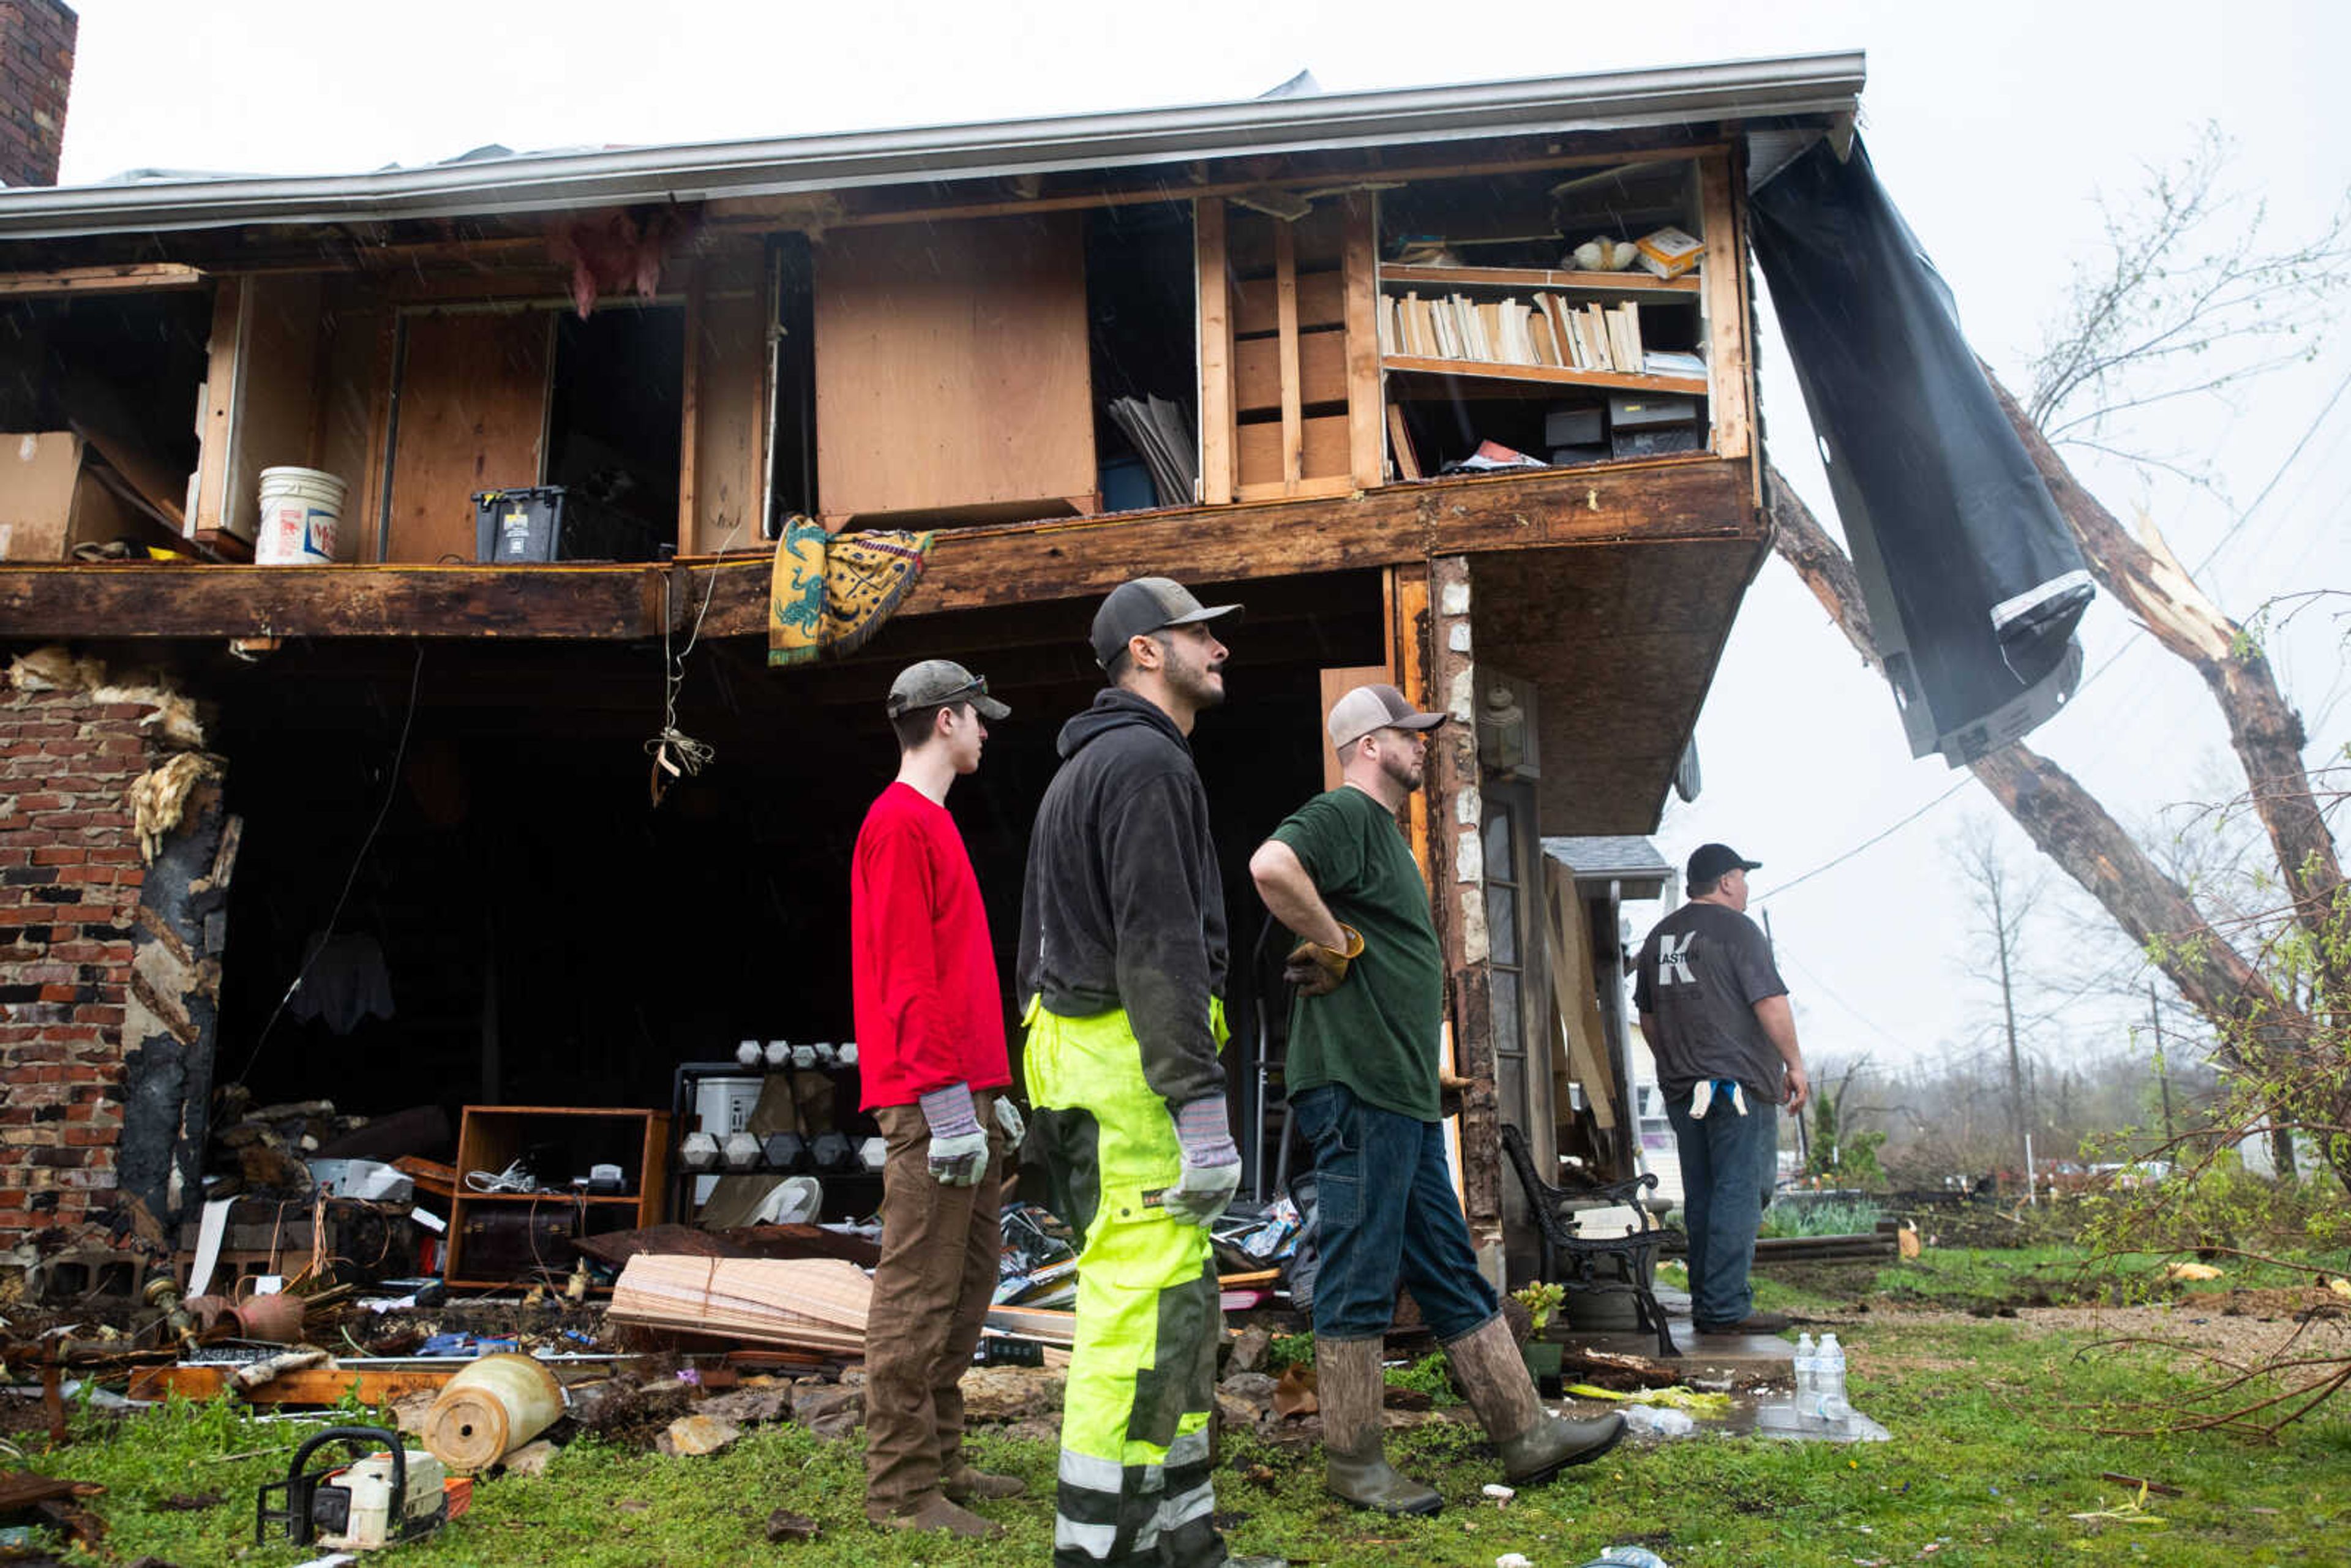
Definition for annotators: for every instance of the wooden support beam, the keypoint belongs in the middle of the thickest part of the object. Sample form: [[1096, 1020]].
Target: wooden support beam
[[1668, 500], [1723, 280], [1360, 262], [1217, 469], [125, 278]]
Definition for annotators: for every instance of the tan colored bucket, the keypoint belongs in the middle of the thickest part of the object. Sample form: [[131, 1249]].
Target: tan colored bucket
[[495, 1405]]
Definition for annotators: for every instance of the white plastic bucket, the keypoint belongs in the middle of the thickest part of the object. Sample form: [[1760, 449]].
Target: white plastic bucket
[[300, 510]]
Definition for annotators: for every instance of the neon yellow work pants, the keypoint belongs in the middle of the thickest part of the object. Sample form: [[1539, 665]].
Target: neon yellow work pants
[[1134, 1473]]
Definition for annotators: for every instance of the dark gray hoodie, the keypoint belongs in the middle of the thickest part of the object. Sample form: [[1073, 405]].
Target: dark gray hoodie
[[1123, 906]]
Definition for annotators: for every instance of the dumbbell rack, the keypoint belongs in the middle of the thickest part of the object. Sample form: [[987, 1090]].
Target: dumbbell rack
[[852, 1194]]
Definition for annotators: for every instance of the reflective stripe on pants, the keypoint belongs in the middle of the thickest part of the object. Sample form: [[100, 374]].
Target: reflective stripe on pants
[[1135, 1479]]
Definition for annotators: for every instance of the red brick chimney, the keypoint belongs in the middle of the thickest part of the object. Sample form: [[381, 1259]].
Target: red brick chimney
[[36, 59]]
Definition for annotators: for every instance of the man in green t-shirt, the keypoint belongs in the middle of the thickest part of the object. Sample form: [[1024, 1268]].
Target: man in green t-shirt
[[1365, 1035]]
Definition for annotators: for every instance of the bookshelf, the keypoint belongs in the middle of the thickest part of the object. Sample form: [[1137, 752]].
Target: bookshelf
[[1502, 338]]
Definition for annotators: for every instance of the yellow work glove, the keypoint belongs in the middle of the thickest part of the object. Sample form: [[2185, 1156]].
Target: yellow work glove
[[1315, 969]]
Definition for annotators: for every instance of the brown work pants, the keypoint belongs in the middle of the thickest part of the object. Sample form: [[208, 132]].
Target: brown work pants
[[931, 1293]]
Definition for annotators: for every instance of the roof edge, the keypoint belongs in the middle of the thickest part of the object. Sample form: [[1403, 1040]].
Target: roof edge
[[1822, 84]]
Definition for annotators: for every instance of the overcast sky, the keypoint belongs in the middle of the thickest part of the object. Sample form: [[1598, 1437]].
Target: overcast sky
[[1996, 126]]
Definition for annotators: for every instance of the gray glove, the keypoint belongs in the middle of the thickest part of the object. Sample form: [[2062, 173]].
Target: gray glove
[[1008, 1117], [958, 1143], [1212, 1165]]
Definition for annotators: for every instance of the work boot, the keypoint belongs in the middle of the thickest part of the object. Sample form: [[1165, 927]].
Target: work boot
[[1536, 1445], [933, 1512], [961, 1483], [1349, 1388]]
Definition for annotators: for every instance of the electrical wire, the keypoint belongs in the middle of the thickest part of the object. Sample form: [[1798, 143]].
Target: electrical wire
[[673, 751], [391, 787]]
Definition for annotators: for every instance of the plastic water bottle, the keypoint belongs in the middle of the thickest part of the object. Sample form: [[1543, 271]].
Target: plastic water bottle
[[1808, 1366], [1830, 1381]]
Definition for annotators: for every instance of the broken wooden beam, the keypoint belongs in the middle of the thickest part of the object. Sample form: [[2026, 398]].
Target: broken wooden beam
[[1683, 499], [305, 1385]]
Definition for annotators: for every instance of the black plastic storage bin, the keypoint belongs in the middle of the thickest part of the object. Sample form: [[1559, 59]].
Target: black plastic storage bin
[[546, 523]]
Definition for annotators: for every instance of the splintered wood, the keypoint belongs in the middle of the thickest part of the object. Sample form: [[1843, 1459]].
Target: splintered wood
[[818, 1304]]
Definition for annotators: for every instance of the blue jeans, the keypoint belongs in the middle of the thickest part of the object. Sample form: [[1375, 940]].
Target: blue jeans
[[1729, 1165], [1385, 1213]]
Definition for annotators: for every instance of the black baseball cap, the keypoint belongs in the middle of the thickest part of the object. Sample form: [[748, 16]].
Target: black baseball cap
[[1709, 862], [1142, 605], [935, 683]]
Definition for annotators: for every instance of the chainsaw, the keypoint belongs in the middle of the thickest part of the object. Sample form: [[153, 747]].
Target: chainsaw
[[383, 1497]]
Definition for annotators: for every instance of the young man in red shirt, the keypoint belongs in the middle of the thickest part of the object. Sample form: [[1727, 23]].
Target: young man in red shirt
[[930, 1034]]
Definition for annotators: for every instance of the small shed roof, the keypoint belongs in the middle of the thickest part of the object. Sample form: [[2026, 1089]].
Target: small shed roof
[[1627, 859]]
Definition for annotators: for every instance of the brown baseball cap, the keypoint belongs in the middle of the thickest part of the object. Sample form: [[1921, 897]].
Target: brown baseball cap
[[1368, 708], [1145, 604]]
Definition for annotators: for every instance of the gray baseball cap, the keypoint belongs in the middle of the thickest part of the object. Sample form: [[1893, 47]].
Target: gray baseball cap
[[1144, 604], [935, 683], [1368, 708]]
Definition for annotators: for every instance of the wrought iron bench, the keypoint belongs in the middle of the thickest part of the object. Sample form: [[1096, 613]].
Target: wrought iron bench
[[1603, 1265]]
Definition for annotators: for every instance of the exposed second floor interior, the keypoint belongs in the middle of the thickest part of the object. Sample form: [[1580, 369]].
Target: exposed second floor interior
[[972, 327]]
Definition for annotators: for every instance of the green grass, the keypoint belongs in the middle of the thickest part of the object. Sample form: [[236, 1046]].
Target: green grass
[[1995, 1446]]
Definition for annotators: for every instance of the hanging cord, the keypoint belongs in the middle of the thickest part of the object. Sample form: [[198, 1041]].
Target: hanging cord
[[391, 787], [675, 752]]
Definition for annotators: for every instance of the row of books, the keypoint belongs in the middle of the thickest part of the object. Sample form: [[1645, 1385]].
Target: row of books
[[1550, 330]]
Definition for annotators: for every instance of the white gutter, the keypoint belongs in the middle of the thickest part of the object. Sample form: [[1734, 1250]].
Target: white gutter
[[1804, 85]]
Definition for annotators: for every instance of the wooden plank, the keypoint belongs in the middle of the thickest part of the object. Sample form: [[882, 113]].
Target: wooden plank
[[952, 366], [1323, 366], [1572, 983], [1693, 499], [1558, 375], [1538, 277], [689, 415], [1322, 302], [216, 419], [1730, 365], [1404, 594], [1216, 473], [1361, 260], [1317, 450], [308, 1386], [353, 397], [118, 279], [1285, 299], [472, 417]]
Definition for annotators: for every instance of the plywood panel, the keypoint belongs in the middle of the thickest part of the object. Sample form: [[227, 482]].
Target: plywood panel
[[1337, 684], [730, 347], [357, 377], [1322, 302], [37, 473], [276, 400], [1322, 370], [952, 366], [1323, 449], [473, 416]]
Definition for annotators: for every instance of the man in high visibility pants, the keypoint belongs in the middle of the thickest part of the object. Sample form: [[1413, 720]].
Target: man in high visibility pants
[[1122, 961]]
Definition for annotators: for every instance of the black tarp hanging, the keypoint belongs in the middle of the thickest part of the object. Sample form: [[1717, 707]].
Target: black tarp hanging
[[1973, 583]]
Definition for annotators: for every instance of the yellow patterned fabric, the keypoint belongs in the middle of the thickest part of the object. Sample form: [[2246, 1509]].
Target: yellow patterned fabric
[[831, 592]]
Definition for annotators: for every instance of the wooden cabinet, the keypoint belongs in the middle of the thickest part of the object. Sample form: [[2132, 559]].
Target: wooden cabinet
[[558, 1143], [951, 371]]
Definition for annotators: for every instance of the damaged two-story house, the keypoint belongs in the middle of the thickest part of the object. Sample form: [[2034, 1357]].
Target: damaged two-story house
[[521, 800]]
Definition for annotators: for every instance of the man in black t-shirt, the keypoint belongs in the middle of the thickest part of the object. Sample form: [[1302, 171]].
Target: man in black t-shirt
[[1715, 1013]]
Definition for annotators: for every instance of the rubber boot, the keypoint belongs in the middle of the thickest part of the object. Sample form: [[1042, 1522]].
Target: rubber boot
[[1535, 1444], [1349, 1386]]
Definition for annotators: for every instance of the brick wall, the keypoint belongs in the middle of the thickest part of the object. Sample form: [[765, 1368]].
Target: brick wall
[[71, 883], [37, 61]]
